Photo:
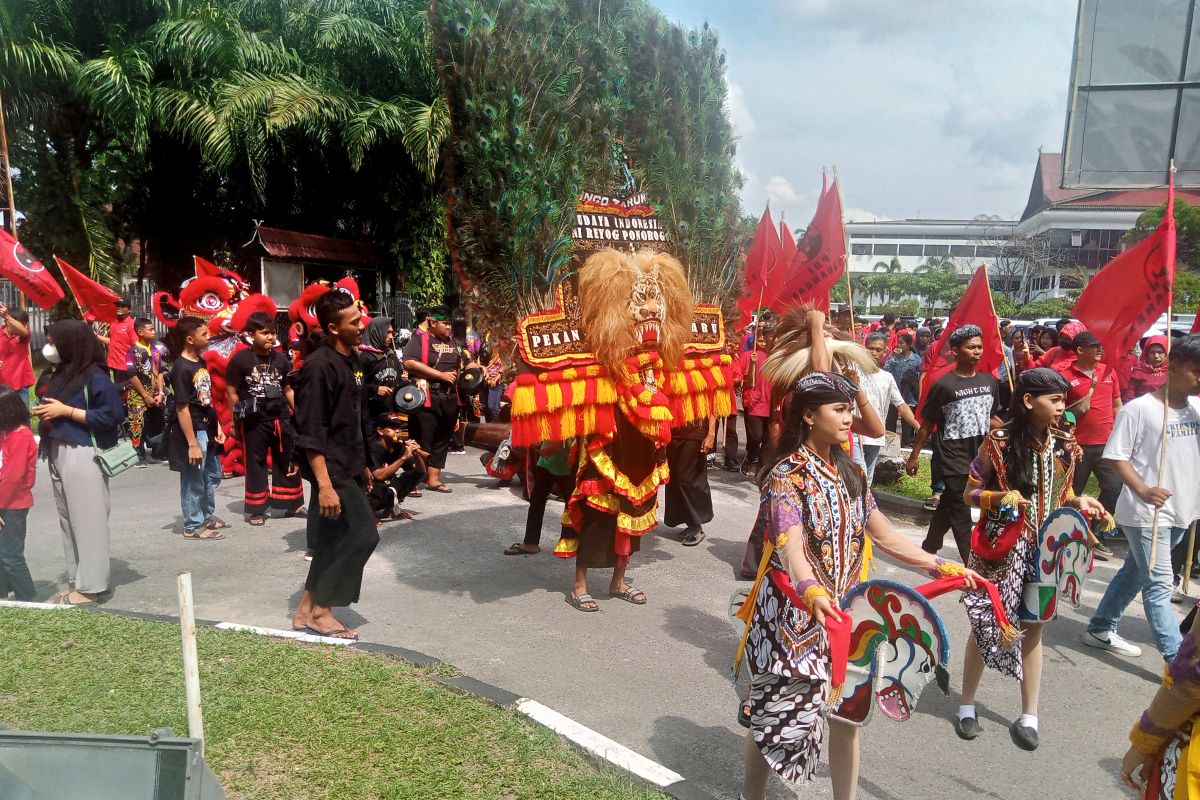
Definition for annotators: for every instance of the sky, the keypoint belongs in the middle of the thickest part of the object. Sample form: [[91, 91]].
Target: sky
[[926, 108]]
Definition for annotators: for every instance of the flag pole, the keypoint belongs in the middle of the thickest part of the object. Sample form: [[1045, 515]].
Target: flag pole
[[10, 203], [1162, 448]]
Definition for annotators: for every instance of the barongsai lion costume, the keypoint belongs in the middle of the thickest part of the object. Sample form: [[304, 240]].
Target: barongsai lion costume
[[222, 299]]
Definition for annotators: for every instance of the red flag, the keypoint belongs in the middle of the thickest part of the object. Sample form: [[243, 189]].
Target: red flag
[[975, 308], [1131, 291], [820, 256], [27, 273], [764, 267], [96, 301], [787, 243], [1196, 322]]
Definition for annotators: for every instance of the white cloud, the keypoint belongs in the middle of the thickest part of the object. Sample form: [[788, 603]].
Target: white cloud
[[739, 112], [780, 192], [852, 214]]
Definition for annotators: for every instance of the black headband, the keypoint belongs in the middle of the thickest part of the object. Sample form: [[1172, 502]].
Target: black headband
[[819, 388]]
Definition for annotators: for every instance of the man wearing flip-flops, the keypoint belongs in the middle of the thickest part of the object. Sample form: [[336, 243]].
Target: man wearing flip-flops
[[330, 435]]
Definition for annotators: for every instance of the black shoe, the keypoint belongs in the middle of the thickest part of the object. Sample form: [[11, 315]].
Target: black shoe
[[731, 466], [967, 728], [1024, 737]]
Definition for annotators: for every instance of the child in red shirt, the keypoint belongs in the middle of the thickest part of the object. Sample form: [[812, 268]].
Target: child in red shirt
[[18, 469]]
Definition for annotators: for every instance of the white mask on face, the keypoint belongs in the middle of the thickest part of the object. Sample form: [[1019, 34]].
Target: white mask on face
[[50, 353]]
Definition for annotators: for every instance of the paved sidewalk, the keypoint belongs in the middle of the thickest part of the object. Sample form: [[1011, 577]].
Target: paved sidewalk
[[656, 677]]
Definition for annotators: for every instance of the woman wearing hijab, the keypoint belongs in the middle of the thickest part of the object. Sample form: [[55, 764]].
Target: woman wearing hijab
[[80, 410], [381, 371], [1150, 371], [1025, 467], [816, 514]]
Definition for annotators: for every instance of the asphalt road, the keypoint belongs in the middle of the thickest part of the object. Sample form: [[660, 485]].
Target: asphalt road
[[656, 677]]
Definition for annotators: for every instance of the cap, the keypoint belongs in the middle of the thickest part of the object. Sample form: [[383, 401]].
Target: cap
[[1084, 339]]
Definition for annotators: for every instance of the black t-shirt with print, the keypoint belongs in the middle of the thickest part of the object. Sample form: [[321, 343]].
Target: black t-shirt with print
[[192, 384], [258, 376], [961, 409], [443, 354]]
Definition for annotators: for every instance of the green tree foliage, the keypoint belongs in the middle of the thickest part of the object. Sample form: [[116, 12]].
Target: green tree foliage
[[1187, 226], [539, 91], [1057, 307], [180, 123]]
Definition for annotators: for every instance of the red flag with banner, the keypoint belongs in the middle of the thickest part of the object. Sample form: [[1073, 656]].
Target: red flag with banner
[[764, 267], [1131, 291], [96, 301], [820, 256], [975, 308], [787, 243], [1196, 322], [27, 273]]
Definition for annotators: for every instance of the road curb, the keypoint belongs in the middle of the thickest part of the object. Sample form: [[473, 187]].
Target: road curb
[[589, 743], [901, 506]]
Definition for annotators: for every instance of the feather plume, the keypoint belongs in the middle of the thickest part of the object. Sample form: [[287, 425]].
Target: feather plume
[[789, 358]]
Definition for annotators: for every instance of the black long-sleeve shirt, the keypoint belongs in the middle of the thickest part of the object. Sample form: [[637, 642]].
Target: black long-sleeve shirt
[[329, 413]]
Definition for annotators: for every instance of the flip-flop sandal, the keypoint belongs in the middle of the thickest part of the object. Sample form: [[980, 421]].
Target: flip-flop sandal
[[581, 602], [256, 521], [515, 549], [415, 493], [401, 515], [441, 488], [216, 524], [328, 634], [744, 715], [299, 513], [203, 535], [693, 538], [629, 595]]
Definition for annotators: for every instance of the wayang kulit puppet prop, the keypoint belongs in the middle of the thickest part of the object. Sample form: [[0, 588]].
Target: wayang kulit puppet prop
[[617, 365], [222, 299]]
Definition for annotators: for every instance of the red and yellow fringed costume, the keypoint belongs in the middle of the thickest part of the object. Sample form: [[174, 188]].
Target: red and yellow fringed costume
[[618, 366]]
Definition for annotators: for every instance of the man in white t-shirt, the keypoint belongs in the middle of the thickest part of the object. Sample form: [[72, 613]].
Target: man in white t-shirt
[[1133, 449], [881, 389]]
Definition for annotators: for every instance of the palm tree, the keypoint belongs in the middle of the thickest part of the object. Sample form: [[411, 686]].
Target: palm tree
[[891, 267], [238, 82]]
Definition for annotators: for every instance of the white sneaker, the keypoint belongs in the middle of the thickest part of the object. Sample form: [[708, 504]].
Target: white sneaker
[[1113, 644]]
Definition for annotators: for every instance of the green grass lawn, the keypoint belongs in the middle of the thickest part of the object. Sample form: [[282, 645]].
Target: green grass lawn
[[285, 721], [917, 487]]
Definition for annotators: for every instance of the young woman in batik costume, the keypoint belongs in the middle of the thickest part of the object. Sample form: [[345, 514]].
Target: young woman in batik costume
[[1159, 763], [817, 513], [1026, 465]]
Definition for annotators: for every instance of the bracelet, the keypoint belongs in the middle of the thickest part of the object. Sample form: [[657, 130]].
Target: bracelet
[[781, 540], [947, 569], [811, 594], [1144, 742]]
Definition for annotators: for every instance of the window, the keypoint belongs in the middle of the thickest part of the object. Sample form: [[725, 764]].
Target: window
[[885, 249], [910, 250], [857, 249], [986, 251], [962, 250], [1076, 238], [937, 250]]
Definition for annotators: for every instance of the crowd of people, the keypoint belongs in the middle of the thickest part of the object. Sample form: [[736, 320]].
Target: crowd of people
[[366, 414], [329, 411]]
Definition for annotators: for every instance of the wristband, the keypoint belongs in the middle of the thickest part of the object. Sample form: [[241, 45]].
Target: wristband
[[946, 569], [1143, 742], [811, 593]]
